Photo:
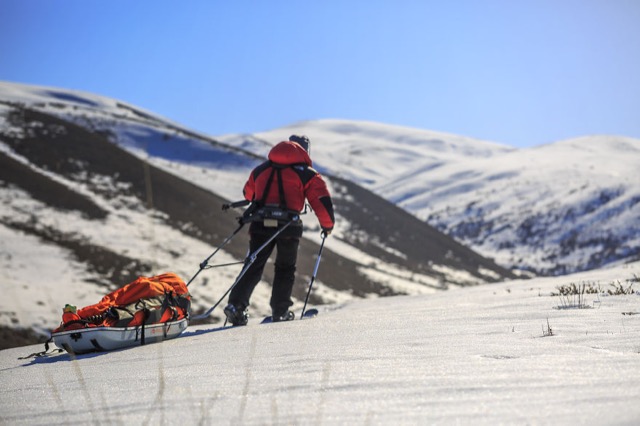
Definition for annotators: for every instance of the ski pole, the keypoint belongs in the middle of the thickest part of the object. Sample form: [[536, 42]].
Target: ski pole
[[249, 261], [203, 265], [313, 277], [225, 207], [235, 204]]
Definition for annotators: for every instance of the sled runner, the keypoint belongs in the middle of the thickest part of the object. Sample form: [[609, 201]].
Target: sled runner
[[147, 310]]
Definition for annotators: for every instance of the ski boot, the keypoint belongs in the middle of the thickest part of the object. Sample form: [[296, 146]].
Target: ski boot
[[287, 316], [235, 315]]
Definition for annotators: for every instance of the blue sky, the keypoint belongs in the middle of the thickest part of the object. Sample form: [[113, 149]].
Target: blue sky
[[517, 72]]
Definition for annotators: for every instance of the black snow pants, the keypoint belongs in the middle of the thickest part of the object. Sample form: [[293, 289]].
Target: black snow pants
[[285, 268]]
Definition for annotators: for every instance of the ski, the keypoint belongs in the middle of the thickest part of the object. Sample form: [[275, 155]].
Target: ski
[[311, 313]]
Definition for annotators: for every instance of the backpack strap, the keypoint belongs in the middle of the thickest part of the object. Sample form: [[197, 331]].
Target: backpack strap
[[275, 169], [263, 200], [283, 200]]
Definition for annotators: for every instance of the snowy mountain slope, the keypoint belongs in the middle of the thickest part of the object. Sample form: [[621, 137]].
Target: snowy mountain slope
[[572, 205], [372, 154], [477, 356], [95, 216], [567, 206]]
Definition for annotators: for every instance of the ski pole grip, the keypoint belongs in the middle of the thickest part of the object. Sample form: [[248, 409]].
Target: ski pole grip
[[235, 204]]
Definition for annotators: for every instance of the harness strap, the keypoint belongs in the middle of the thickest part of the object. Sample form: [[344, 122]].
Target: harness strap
[[283, 200], [275, 169], [44, 353], [263, 201]]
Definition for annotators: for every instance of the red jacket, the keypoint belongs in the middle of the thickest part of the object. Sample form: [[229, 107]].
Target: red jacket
[[299, 181]]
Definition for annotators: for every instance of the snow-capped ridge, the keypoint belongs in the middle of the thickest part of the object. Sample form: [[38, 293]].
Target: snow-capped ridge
[[548, 208]]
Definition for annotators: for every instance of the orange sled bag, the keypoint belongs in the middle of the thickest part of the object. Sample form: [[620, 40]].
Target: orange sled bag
[[147, 310]]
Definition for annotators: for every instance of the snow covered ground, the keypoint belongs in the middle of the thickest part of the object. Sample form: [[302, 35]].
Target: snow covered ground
[[507, 353]]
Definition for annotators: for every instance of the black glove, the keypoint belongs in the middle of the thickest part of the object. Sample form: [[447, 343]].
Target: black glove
[[326, 232]]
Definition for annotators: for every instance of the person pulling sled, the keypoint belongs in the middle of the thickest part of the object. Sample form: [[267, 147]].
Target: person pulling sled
[[277, 190]]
